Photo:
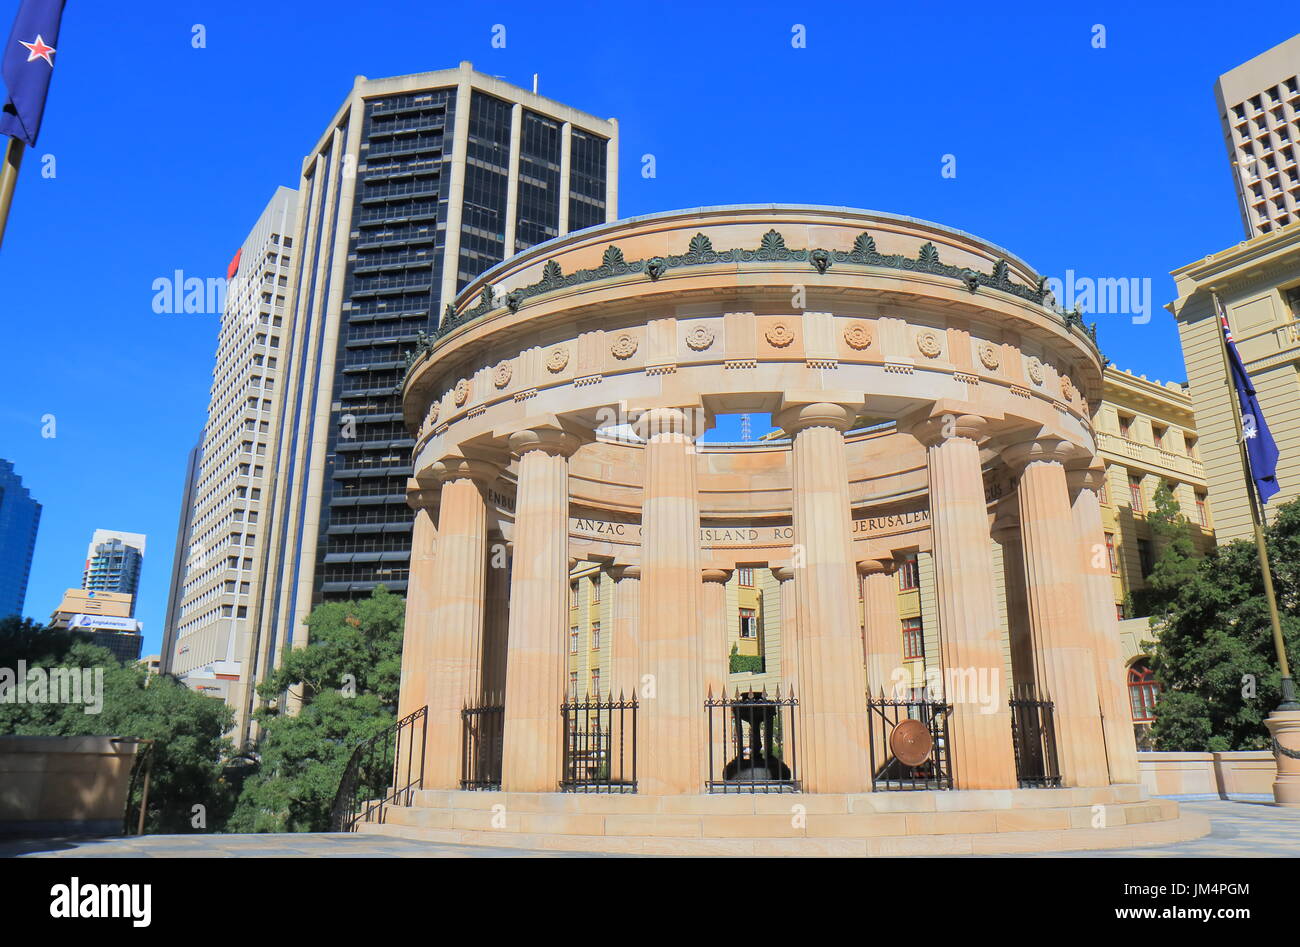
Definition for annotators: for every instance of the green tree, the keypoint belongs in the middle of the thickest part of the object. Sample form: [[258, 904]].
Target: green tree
[[1213, 654], [347, 679], [1177, 560], [187, 728]]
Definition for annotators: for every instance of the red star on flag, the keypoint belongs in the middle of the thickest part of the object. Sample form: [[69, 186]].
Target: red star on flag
[[38, 50]]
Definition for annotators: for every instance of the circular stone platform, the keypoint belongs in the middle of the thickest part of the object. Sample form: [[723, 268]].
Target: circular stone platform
[[983, 822]]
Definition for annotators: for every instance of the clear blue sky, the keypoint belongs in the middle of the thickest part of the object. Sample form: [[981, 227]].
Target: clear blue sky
[[1108, 161]]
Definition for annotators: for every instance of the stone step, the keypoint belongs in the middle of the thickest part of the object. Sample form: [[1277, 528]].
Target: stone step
[[1009, 840]]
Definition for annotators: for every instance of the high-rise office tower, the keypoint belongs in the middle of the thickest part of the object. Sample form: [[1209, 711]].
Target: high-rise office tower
[[176, 590], [114, 561], [1259, 106], [20, 517], [211, 639], [419, 184]]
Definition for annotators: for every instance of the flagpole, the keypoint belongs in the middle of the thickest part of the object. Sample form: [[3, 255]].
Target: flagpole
[[1279, 643], [9, 180]]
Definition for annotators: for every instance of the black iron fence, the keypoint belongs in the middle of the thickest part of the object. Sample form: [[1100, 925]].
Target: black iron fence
[[752, 743], [599, 744], [482, 739], [909, 743], [382, 771], [1033, 735]]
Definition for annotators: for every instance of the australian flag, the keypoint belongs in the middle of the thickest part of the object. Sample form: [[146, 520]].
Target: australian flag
[[27, 66], [1261, 449]]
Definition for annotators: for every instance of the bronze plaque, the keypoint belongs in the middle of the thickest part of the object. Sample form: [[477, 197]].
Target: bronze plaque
[[911, 742]]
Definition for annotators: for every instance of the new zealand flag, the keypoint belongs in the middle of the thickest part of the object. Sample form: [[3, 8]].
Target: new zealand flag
[[27, 66]]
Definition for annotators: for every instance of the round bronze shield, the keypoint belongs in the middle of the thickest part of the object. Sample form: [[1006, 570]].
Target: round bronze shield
[[911, 742]]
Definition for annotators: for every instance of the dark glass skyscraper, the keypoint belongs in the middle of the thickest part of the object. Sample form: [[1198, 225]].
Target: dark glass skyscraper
[[20, 517], [419, 184]]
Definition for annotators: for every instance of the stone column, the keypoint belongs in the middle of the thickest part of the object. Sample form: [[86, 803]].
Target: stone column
[[716, 661], [497, 623], [1102, 625], [539, 612], [789, 629], [671, 738], [832, 682], [417, 626], [971, 650], [1066, 662], [882, 637], [1006, 533], [624, 658], [456, 618]]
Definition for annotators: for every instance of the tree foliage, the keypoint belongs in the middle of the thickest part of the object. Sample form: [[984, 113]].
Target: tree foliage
[[187, 728], [1177, 560], [347, 679], [1213, 654]]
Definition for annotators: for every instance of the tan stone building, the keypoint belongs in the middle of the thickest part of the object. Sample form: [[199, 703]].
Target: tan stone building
[[1258, 282]]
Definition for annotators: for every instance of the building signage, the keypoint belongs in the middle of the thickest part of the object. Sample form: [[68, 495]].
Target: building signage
[[723, 537]]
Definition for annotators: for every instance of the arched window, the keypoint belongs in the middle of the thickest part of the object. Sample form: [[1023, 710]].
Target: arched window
[[1143, 691]]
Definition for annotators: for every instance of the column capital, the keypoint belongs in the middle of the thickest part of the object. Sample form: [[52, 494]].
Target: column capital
[[1006, 520], [457, 467], [782, 573], [1043, 448], [421, 496], [1087, 475], [688, 422], [554, 441], [619, 573], [716, 575], [877, 567], [800, 417], [940, 428]]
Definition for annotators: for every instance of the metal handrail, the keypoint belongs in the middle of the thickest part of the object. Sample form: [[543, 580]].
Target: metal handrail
[[349, 809]]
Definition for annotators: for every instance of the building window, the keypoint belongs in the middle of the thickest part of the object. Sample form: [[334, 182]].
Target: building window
[[908, 575], [573, 640], [1190, 443], [1135, 492], [595, 590], [745, 577], [913, 642], [1158, 435], [1145, 560], [595, 681], [1111, 555], [1201, 513], [1125, 425], [573, 595], [748, 623], [595, 636], [573, 683], [1143, 692], [1119, 611], [1103, 492]]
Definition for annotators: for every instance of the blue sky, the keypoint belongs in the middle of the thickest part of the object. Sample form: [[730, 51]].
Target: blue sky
[[1107, 161]]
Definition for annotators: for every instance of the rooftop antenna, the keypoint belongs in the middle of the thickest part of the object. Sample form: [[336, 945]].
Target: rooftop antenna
[[534, 83]]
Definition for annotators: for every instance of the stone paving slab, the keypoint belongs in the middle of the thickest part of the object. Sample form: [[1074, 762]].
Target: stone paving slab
[[1239, 830]]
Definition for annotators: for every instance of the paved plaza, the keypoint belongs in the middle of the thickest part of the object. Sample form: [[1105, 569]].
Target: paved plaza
[[1240, 830]]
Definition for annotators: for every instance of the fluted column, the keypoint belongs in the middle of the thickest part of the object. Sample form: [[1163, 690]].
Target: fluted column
[[1006, 533], [496, 630], [539, 612], [1066, 661], [882, 636], [671, 714], [832, 682], [1102, 622], [713, 628], [971, 650], [789, 627], [417, 627], [456, 617], [624, 647]]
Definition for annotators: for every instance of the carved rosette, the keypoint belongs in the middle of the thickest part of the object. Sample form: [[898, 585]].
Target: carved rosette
[[779, 335], [431, 418], [857, 336], [1035, 371], [501, 375], [557, 359], [624, 345], [928, 344], [462, 391], [989, 356], [700, 337], [1067, 388]]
